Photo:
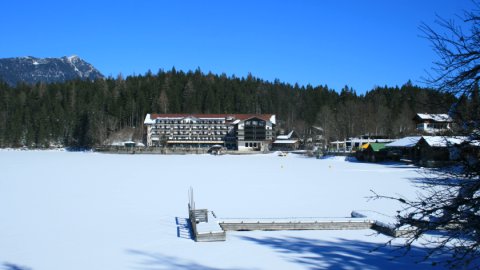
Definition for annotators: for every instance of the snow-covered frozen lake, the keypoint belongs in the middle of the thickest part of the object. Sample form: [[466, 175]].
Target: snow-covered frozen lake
[[63, 210]]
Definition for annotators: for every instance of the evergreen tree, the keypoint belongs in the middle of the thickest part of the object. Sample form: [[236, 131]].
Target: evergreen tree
[[85, 113]]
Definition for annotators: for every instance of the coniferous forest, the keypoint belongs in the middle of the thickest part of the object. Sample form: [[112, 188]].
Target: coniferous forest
[[83, 114]]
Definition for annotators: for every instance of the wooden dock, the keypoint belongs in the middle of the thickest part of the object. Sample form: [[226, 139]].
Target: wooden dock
[[206, 227], [296, 224]]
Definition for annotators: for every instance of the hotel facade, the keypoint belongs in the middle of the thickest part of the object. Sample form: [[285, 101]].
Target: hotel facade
[[243, 132]]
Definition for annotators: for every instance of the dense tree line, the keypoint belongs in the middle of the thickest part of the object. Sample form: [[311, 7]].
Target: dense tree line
[[85, 113]]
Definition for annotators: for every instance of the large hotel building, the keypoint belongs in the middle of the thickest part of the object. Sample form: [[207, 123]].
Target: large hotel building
[[243, 132]]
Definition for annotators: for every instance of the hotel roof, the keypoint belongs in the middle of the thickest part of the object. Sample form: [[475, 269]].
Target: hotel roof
[[149, 119]]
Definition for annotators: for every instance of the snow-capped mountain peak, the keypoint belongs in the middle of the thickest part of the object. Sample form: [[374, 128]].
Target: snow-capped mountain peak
[[32, 70], [72, 57]]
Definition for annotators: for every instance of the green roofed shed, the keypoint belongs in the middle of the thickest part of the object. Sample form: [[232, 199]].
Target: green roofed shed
[[377, 146], [374, 152]]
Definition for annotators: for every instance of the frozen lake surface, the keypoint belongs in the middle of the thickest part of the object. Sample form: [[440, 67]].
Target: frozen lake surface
[[63, 210]]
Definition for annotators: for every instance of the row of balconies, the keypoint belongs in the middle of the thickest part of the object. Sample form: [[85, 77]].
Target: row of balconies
[[189, 127], [195, 138], [206, 122], [189, 133], [268, 133]]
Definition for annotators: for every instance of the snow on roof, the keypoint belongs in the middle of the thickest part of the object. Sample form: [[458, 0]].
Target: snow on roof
[[285, 137], [439, 117], [442, 141], [405, 142], [117, 143], [434, 141], [285, 141], [148, 120], [228, 117], [273, 119]]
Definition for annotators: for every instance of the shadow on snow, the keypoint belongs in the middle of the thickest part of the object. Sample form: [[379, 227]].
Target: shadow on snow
[[312, 254], [11, 266], [345, 254], [157, 261]]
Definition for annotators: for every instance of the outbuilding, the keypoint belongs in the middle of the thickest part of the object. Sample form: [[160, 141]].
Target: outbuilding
[[435, 151], [372, 152], [286, 142], [404, 148]]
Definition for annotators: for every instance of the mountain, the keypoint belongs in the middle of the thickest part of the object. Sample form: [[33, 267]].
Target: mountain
[[32, 70]]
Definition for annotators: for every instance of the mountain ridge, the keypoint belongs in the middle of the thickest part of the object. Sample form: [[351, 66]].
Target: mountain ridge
[[30, 69]]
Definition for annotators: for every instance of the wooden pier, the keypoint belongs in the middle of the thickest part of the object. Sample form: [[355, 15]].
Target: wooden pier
[[296, 224], [207, 227]]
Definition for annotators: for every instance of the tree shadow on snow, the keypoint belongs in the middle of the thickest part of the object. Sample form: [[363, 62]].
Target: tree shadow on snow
[[387, 163], [157, 261], [345, 254], [443, 176], [11, 266], [435, 180]]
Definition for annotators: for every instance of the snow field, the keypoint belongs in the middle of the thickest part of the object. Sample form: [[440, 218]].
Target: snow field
[[63, 210]]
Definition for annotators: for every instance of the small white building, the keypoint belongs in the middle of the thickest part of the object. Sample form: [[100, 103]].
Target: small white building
[[287, 142], [355, 143], [433, 123]]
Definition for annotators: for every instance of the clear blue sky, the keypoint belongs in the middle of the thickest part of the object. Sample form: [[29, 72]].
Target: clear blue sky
[[319, 42]]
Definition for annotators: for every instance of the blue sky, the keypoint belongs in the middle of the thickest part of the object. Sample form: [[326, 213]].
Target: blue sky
[[361, 44]]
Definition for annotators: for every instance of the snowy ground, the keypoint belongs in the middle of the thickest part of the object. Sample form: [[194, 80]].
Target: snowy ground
[[63, 210]]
